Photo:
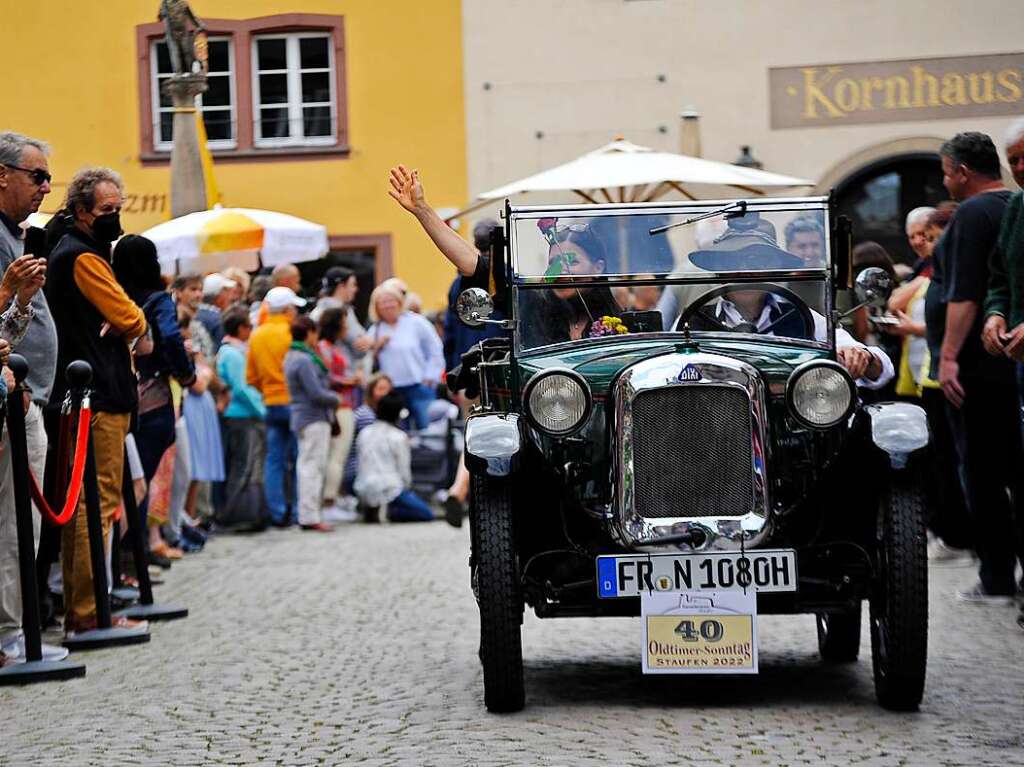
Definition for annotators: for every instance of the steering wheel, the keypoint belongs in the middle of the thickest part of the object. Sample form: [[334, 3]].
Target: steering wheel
[[797, 306]]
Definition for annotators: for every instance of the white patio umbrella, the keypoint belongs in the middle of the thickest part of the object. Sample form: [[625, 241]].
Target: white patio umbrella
[[625, 172], [215, 239]]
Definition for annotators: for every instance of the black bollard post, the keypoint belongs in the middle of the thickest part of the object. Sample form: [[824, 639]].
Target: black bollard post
[[79, 375], [34, 669], [146, 610], [125, 593], [115, 556]]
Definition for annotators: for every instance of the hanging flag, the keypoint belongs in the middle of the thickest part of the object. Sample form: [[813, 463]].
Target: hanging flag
[[213, 195]]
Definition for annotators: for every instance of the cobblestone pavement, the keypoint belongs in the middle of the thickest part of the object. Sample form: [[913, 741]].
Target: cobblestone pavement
[[359, 647]]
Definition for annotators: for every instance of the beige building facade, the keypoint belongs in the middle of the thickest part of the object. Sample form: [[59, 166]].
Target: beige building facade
[[856, 96]]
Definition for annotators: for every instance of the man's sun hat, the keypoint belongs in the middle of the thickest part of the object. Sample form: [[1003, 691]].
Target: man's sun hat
[[748, 244]]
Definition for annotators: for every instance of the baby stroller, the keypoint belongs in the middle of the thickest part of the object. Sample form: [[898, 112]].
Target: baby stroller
[[435, 455]]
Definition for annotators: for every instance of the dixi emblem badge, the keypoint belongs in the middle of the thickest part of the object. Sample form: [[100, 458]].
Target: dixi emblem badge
[[688, 373]]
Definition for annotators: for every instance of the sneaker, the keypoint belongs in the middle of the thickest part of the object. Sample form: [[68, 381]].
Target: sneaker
[[194, 535], [338, 514], [979, 595], [15, 651], [941, 555], [318, 527]]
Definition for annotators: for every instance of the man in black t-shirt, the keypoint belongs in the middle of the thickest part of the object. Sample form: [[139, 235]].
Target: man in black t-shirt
[[980, 390]]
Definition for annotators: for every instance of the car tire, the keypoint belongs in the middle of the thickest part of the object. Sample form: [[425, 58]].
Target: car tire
[[839, 636], [899, 605], [498, 594]]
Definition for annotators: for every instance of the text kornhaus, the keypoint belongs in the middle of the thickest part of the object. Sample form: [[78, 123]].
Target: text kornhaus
[[829, 93]]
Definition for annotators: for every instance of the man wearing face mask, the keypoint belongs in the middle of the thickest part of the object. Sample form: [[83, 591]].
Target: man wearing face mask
[[96, 322]]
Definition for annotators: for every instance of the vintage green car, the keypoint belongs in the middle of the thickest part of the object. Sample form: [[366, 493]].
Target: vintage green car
[[672, 410]]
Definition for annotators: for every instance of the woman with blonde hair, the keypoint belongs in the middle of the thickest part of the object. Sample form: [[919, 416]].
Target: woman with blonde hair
[[242, 281], [408, 351]]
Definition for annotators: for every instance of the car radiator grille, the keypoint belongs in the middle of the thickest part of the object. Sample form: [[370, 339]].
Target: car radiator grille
[[692, 452]]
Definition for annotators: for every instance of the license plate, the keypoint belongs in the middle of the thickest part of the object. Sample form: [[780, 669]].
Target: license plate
[[634, 574]]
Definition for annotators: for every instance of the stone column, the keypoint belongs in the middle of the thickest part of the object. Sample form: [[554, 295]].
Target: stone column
[[188, 186]]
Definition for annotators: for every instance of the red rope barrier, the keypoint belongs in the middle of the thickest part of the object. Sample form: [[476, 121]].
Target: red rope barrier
[[77, 472]]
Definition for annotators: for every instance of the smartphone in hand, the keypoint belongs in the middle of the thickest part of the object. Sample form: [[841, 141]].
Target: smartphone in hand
[[35, 242]]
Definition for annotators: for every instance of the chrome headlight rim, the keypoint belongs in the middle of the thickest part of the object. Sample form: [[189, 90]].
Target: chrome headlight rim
[[588, 398], [807, 367]]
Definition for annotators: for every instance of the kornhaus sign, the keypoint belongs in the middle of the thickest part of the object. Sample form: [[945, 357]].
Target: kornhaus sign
[[896, 91]]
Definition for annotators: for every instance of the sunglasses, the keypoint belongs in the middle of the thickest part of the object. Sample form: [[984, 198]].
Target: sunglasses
[[39, 176], [554, 232]]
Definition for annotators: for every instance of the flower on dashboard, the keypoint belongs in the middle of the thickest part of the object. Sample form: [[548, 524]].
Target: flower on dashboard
[[607, 326]]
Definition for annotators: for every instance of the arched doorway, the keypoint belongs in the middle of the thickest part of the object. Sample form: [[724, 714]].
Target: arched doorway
[[878, 185], [878, 196]]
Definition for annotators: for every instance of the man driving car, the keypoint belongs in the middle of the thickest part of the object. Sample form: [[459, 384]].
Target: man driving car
[[749, 244]]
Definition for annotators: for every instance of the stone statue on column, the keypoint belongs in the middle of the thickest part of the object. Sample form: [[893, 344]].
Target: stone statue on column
[[186, 41], [181, 27]]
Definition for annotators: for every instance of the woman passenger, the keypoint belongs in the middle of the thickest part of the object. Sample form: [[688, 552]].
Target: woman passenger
[[549, 316]]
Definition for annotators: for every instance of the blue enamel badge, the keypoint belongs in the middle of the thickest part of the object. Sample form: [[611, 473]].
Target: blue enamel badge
[[688, 373]]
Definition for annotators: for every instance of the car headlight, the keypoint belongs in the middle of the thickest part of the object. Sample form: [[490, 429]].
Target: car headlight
[[820, 394], [557, 402]]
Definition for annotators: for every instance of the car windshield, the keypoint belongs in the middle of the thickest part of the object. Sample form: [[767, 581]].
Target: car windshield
[[758, 269]]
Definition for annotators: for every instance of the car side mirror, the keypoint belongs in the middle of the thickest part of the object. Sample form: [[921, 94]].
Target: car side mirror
[[873, 287], [474, 307]]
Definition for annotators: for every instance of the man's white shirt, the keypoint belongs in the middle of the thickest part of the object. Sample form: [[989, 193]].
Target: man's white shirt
[[726, 310]]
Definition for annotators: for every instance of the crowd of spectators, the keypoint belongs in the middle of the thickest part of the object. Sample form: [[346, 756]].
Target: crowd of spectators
[[235, 403], [956, 325]]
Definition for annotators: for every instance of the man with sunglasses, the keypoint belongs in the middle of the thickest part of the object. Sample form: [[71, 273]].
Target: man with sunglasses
[[24, 182]]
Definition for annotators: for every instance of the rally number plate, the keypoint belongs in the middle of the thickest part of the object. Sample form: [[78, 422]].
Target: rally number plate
[[635, 574]]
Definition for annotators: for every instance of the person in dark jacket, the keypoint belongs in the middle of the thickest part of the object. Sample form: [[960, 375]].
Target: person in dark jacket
[[458, 336], [96, 322], [312, 406], [138, 271]]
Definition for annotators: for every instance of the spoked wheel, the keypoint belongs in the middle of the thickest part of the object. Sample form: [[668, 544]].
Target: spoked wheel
[[498, 594], [839, 636], [899, 605]]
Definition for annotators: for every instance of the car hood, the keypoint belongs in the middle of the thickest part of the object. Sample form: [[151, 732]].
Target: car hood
[[602, 363]]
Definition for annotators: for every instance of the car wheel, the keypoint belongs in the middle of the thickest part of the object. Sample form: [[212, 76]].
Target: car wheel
[[498, 594], [899, 605], [839, 636]]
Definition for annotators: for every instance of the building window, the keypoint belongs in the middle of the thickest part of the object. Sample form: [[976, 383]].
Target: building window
[[277, 89], [294, 101], [217, 105]]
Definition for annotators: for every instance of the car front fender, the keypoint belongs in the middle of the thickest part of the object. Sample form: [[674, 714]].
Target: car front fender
[[493, 444], [899, 430]]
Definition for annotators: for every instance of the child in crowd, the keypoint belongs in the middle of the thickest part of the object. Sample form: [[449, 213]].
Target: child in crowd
[[312, 409], [385, 466]]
